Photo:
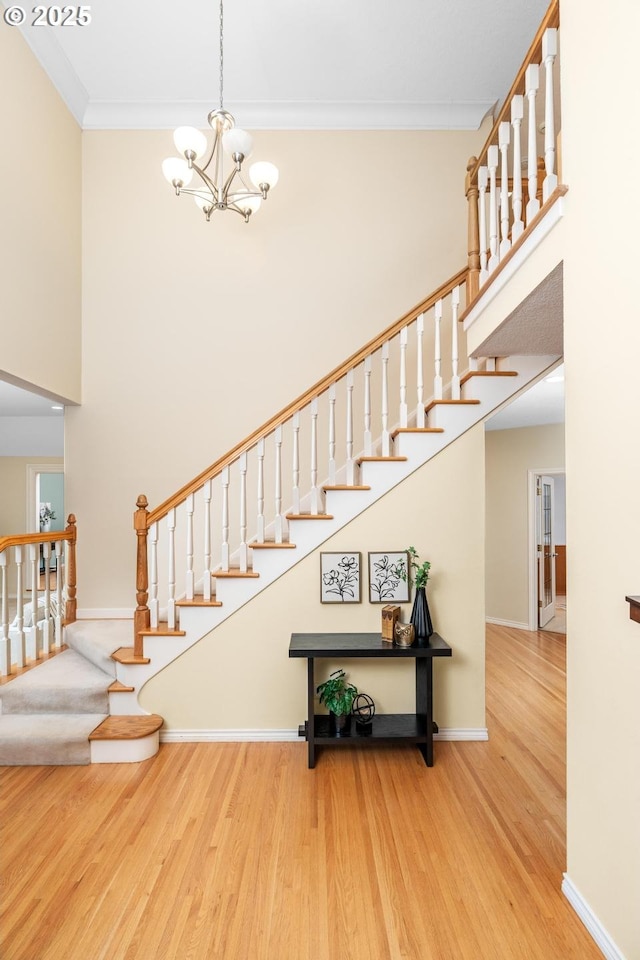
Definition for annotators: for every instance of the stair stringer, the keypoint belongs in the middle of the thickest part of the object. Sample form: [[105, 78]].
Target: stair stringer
[[344, 506]]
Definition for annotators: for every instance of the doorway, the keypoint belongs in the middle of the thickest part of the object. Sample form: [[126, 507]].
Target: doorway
[[547, 550]]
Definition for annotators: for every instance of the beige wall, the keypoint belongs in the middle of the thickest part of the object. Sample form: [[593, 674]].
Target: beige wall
[[510, 454], [240, 675], [13, 488], [602, 348], [40, 173], [195, 333]]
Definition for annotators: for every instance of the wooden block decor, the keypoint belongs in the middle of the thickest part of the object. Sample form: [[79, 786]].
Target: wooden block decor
[[390, 613]]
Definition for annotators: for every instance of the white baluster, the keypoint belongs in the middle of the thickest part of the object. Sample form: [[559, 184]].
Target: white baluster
[[296, 464], [517, 115], [189, 577], [260, 524], [483, 180], [368, 440], [154, 604], [171, 584], [58, 617], [504, 139], [46, 626], [386, 441], [32, 642], [206, 578], [224, 548], [21, 655], [455, 378], [437, 379], [404, 417], [549, 53], [532, 81], [314, 497], [279, 520], [244, 552], [5, 643], [350, 465], [420, 414], [332, 434], [492, 162]]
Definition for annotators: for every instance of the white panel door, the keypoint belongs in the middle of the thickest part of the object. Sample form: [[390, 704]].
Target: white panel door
[[546, 550]]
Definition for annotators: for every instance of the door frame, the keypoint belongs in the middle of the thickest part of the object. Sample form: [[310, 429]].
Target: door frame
[[532, 538], [33, 469]]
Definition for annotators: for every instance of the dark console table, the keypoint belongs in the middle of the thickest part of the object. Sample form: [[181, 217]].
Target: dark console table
[[417, 727]]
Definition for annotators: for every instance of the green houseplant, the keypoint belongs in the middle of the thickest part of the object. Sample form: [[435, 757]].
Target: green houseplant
[[337, 694]]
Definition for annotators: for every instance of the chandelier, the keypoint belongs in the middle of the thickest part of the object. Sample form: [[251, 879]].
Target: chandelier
[[217, 190]]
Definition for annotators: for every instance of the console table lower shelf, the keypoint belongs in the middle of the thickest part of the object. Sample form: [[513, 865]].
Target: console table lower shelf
[[417, 728]]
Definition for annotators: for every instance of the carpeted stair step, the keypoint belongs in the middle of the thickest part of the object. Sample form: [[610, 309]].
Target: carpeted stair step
[[65, 684], [41, 739], [97, 639]]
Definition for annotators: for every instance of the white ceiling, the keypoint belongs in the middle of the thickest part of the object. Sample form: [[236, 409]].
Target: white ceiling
[[541, 404], [16, 402], [289, 64]]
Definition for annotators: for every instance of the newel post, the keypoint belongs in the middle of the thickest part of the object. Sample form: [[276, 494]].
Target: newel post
[[142, 615], [471, 192], [71, 534]]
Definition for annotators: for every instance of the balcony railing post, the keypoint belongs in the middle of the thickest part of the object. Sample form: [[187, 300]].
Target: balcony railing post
[[471, 192], [142, 615], [70, 576]]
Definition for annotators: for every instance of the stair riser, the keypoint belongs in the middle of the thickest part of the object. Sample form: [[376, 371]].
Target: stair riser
[[125, 751]]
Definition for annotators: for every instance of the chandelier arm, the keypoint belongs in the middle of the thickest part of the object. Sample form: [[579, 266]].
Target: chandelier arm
[[207, 180], [212, 152], [228, 182]]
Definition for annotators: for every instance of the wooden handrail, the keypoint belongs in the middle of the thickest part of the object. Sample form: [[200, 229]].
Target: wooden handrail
[[534, 55], [70, 535], [442, 291]]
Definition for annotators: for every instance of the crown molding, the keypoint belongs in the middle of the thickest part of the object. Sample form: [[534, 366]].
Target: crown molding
[[290, 115]]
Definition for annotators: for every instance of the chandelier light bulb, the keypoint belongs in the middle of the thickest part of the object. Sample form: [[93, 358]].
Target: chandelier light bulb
[[202, 201], [248, 202], [190, 141], [265, 173], [237, 141], [177, 171]]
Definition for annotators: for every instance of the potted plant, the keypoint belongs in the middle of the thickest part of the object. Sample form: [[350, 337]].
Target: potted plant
[[337, 694], [46, 516], [419, 573]]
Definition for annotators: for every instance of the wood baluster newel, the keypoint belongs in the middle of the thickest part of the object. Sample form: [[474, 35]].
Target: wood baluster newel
[[142, 616], [70, 593], [471, 193]]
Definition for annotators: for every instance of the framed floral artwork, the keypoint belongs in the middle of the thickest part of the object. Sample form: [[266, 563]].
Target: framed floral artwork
[[388, 579], [340, 577]]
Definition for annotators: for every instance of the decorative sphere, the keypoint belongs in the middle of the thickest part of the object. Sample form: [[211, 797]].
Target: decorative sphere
[[363, 708]]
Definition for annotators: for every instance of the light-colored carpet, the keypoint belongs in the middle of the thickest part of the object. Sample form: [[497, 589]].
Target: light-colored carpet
[[47, 739], [67, 684], [96, 640]]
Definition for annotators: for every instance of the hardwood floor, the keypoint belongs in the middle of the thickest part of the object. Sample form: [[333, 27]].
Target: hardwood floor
[[237, 851]]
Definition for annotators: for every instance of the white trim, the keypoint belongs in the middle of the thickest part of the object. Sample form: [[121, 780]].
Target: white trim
[[591, 922], [242, 736], [31, 509], [516, 624], [105, 613], [542, 230], [289, 115]]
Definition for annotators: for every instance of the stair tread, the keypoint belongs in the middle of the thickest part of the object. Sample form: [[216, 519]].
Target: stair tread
[[272, 545], [450, 403], [381, 460], [487, 373], [230, 574], [161, 631], [118, 687], [416, 430], [126, 655], [127, 728], [198, 602], [346, 486], [309, 516]]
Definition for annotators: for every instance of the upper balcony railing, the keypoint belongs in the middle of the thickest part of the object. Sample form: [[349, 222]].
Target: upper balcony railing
[[507, 187]]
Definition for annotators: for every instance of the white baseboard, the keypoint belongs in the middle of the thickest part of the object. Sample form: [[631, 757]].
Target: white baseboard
[[233, 736], [104, 613], [591, 922], [507, 623]]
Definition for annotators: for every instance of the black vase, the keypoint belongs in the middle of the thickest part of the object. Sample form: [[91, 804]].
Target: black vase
[[420, 616], [341, 724]]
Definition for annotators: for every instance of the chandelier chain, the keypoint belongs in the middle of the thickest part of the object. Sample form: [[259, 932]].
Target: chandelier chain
[[221, 54]]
